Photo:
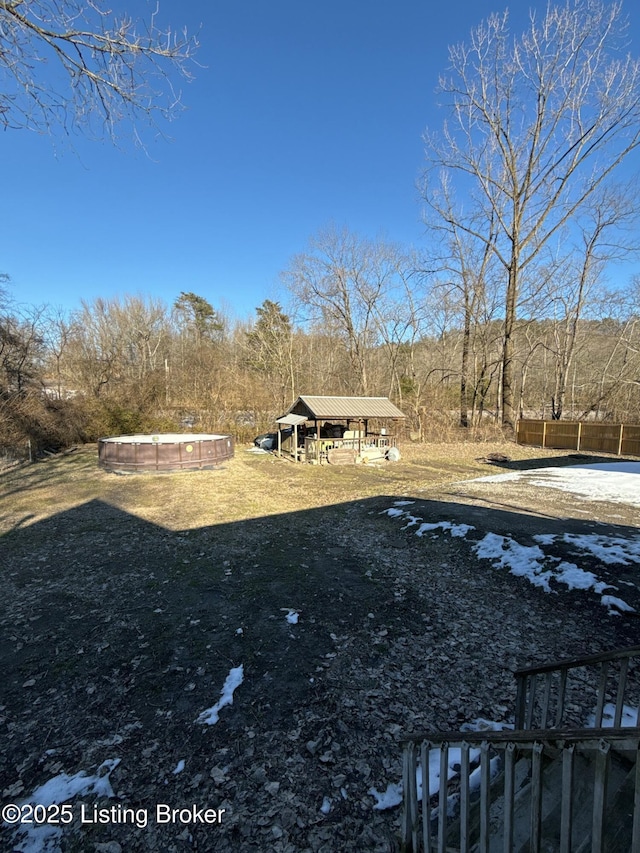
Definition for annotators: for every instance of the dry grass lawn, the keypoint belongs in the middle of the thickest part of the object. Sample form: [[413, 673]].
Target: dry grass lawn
[[248, 486]]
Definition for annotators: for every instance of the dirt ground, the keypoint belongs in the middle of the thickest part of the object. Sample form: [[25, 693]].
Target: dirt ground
[[126, 601]]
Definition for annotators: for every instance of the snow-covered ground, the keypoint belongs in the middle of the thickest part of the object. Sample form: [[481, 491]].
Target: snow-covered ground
[[45, 837], [536, 565], [618, 482]]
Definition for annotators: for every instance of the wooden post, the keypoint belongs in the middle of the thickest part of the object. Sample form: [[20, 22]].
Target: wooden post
[[544, 433], [620, 440], [579, 434]]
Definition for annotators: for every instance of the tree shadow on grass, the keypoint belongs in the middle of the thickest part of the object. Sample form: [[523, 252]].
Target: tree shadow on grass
[[569, 458]]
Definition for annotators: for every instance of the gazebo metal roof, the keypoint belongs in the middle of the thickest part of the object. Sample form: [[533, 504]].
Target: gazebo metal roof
[[344, 408], [291, 420]]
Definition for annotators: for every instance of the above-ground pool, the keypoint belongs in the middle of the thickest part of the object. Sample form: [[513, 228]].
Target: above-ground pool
[[163, 452]]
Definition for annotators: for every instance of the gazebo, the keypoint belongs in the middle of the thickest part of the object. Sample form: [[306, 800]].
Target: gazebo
[[337, 429]]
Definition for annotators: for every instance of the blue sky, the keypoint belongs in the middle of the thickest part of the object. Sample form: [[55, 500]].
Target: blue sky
[[303, 114]]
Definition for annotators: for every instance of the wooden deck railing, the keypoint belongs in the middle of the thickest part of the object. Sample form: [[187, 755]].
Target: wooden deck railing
[[521, 809], [556, 694], [317, 449], [577, 780]]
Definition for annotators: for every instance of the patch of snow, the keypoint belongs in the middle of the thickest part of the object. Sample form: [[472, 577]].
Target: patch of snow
[[576, 578], [624, 466], [523, 561], [608, 549], [629, 716], [539, 568], [476, 775], [393, 512], [325, 808], [392, 796], [453, 767], [179, 767], [412, 520], [61, 789], [615, 605], [545, 538], [458, 530], [235, 678], [389, 799], [617, 482], [292, 617]]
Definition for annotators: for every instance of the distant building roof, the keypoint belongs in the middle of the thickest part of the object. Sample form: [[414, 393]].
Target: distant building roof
[[344, 408]]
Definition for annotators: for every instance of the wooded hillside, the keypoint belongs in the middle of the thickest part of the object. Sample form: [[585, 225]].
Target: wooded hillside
[[134, 363]]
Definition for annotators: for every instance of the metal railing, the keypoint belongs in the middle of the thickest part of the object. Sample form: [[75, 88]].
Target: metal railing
[[559, 694], [507, 802]]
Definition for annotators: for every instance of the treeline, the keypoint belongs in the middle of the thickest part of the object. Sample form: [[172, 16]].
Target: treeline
[[503, 313], [361, 317]]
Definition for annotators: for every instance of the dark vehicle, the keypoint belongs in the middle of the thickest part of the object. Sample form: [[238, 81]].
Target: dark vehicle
[[269, 440]]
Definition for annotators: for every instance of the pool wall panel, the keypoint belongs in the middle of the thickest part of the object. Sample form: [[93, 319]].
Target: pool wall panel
[[131, 453]]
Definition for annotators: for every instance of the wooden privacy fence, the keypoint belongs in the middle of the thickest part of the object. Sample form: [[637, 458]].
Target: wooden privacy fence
[[623, 439]]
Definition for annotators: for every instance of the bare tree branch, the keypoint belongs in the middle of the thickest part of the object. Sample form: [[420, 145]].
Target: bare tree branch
[[77, 66], [538, 125]]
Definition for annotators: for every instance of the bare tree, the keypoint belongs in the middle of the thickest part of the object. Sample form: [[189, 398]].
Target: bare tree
[[611, 377], [74, 64], [21, 349], [339, 281], [601, 239], [56, 335], [402, 322], [269, 345], [95, 351], [538, 124], [466, 266]]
